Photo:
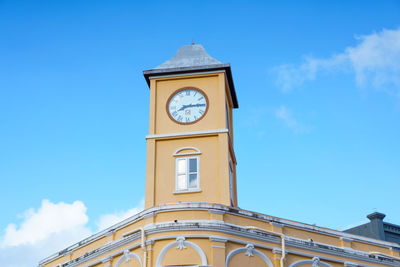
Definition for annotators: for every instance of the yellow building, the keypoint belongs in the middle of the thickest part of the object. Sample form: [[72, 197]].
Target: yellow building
[[191, 217]]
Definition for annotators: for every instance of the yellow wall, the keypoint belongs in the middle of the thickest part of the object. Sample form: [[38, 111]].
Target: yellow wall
[[215, 148], [162, 89]]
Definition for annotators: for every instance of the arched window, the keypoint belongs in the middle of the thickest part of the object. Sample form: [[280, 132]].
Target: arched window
[[187, 170]]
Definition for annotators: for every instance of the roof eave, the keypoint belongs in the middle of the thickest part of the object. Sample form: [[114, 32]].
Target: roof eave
[[225, 66]]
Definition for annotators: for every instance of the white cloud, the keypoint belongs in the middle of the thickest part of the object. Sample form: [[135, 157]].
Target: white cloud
[[107, 220], [286, 116], [375, 62], [51, 228], [42, 232], [49, 219]]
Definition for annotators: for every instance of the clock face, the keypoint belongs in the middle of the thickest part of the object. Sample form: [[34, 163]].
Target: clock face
[[187, 105]]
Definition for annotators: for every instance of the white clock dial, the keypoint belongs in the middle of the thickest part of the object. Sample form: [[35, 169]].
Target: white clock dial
[[187, 105]]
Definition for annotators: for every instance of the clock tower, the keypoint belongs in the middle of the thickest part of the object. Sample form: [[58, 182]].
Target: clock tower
[[190, 155], [191, 216]]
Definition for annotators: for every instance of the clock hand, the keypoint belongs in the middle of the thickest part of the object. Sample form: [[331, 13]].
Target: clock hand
[[183, 107], [195, 105], [191, 106]]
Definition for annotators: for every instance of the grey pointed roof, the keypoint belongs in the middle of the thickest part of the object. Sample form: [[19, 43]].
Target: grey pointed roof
[[189, 56], [192, 59]]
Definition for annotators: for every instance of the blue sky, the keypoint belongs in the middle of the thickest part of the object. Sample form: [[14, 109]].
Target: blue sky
[[316, 133]]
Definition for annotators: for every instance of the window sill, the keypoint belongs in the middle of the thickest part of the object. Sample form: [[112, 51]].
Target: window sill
[[188, 191]]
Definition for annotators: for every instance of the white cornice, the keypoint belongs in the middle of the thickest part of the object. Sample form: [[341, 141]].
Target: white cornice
[[216, 131], [162, 232], [186, 74]]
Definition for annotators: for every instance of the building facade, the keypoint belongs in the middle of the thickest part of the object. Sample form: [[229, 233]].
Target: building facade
[[191, 216]]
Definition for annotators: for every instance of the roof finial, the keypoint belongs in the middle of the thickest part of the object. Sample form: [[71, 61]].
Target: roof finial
[[192, 41]]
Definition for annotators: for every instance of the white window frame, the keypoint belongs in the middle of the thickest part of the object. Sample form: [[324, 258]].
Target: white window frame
[[187, 189]]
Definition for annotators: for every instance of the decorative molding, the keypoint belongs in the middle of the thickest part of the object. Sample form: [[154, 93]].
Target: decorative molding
[[227, 209], [315, 262], [180, 244], [249, 250], [234, 230], [127, 255], [217, 131], [332, 250], [216, 226], [176, 153]]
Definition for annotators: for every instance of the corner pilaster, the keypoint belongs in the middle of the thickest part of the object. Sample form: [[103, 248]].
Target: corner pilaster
[[345, 242], [218, 251], [276, 256]]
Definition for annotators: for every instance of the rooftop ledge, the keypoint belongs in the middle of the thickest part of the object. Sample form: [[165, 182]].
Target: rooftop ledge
[[196, 69]]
